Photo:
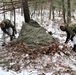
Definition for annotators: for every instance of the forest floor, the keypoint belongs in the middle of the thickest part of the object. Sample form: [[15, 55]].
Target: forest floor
[[55, 59]]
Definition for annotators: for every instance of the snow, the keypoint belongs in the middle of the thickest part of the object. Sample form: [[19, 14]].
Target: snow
[[49, 25], [74, 39], [24, 72], [3, 72]]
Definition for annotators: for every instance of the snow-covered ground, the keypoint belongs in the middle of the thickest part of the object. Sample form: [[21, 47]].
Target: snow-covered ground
[[49, 25]]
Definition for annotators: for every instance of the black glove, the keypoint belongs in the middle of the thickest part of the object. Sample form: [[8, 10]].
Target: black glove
[[66, 41], [71, 39], [11, 38]]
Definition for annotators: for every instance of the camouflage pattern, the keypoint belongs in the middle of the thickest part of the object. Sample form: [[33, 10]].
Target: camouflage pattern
[[70, 28], [6, 22], [6, 25]]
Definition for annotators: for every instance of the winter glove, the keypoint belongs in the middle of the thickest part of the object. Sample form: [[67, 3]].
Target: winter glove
[[66, 41], [11, 38]]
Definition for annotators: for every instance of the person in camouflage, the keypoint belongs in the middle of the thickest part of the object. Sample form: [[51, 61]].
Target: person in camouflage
[[71, 32], [5, 25]]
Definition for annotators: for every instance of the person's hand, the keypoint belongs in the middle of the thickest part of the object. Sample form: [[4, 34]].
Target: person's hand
[[66, 42], [11, 38], [71, 39]]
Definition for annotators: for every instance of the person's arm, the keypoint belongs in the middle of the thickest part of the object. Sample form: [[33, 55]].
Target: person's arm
[[72, 35], [5, 31], [68, 37], [71, 38], [14, 30]]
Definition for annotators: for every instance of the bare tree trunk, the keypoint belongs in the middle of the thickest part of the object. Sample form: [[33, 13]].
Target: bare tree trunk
[[35, 8], [50, 12], [14, 13], [4, 18], [26, 10], [11, 15], [53, 13], [53, 8], [63, 8], [41, 12], [21, 11], [68, 12], [59, 10]]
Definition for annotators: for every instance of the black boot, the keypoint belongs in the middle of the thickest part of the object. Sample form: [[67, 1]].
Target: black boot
[[74, 48]]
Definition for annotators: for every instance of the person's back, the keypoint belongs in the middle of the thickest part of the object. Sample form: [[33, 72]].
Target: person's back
[[7, 23], [71, 26], [71, 29]]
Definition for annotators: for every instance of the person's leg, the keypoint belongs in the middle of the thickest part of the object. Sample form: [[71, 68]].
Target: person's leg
[[74, 48], [74, 41], [13, 27], [13, 31], [4, 41], [10, 32]]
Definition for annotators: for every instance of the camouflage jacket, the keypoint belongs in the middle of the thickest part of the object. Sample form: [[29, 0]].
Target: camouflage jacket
[[6, 23], [71, 31]]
